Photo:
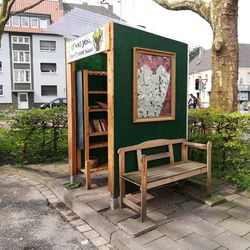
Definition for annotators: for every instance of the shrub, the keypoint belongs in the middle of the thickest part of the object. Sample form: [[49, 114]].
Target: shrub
[[230, 135], [35, 136]]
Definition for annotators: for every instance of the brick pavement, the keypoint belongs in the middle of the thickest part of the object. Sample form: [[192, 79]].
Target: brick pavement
[[175, 221]]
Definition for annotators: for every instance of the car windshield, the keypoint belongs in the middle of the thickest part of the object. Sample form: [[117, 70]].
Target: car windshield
[[56, 101]]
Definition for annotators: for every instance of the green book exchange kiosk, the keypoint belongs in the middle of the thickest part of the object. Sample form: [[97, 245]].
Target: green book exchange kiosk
[[125, 86]]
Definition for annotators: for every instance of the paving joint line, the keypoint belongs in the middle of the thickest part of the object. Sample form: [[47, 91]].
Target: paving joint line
[[55, 188]]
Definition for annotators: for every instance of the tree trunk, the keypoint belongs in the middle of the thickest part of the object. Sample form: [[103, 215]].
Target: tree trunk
[[225, 55], [222, 15]]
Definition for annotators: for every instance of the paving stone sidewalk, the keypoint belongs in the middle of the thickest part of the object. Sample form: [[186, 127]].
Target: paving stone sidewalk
[[175, 221]]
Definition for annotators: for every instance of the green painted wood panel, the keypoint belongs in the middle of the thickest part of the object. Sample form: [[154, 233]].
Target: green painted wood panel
[[125, 131]]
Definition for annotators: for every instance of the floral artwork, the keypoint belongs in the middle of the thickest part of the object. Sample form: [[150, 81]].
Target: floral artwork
[[154, 74]]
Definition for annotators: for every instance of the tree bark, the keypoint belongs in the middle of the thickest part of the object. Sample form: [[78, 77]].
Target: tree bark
[[222, 15], [225, 55]]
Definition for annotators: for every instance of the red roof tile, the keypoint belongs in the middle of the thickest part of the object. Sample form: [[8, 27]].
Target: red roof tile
[[48, 7]]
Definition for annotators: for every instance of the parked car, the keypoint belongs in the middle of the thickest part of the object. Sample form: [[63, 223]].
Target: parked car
[[245, 106], [55, 103]]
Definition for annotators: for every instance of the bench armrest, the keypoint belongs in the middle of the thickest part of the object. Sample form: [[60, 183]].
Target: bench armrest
[[195, 145], [207, 147]]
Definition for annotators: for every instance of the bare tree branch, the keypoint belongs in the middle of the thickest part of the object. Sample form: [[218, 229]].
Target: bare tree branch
[[200, 7], [3, 10], [10, 4], [12, 13]]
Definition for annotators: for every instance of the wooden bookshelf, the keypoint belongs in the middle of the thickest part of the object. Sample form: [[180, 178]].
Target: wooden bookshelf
[[98, 110], [95, 125], [98, 133], [98, 145], [97, 92], [101, 167]]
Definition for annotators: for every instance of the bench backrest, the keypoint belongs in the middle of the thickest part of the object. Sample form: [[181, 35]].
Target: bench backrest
[[153, 144]]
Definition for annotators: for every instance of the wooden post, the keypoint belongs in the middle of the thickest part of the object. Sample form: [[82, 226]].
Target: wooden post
[[209, 166], [72, 150], [184, 151], [88, 174], [111, 153], [144, 165], [122, 182]]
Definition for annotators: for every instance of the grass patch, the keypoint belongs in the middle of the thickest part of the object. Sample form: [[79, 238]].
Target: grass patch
[[72, 185]]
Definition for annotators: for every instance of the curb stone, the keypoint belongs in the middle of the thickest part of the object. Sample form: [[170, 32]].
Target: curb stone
[[109, 233]]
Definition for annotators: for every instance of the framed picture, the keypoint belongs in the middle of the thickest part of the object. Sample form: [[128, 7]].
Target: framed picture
[[153, 85]]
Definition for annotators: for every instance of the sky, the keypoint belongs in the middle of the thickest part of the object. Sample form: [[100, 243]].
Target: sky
[[184, 26]]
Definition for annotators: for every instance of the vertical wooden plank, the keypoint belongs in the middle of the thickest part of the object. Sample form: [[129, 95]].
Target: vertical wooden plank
[[86, 114], [209, 166], [72, 157], [135, 65], [122, 182], [86, 128], [171, 153], [110, 71], [184, 151], [88, 174], [138, 152], [144, 165], [173, 87]]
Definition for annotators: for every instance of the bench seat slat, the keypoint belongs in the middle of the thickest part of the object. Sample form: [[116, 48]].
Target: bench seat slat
[[167, 171]]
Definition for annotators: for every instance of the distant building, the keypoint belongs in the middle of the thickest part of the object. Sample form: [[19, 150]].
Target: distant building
[[32, 60], [199, 80]]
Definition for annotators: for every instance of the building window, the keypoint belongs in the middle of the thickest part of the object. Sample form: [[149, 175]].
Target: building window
[[26, 40], [248, 76], [14, 39], [1, 90], [1, 66], [47, 45], [20, 39], [34, 22], [21, 75], [24, 21], [48, 67], [49, 90], [21, 56], [43, 23], [15, 21]]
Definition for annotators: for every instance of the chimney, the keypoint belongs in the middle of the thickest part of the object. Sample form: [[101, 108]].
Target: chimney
[[110, 7], [201, 51]]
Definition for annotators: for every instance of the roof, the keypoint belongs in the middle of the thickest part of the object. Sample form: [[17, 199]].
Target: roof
[[96, 9], [48, 7], [79, 22], [203, 62]]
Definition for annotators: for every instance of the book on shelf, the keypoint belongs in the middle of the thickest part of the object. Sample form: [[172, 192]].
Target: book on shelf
[[104, 124], [98, 125], [94, 106], [103, 105]]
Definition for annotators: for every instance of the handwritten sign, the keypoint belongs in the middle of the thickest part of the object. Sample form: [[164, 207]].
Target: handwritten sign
[[87, 45]]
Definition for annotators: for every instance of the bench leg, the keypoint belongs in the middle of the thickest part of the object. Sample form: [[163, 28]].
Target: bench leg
[[122, 192], [209, 180], [143, 203]]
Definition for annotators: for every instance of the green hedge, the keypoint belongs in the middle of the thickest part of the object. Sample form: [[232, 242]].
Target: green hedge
[[38, 135], [230, 135], [34, 136]]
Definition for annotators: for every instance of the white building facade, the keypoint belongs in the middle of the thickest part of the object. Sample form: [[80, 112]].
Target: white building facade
[[5, 72], [32, 61], [200, 81]]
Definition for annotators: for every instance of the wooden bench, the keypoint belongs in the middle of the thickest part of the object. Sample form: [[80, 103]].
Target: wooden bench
[[146, 178]]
